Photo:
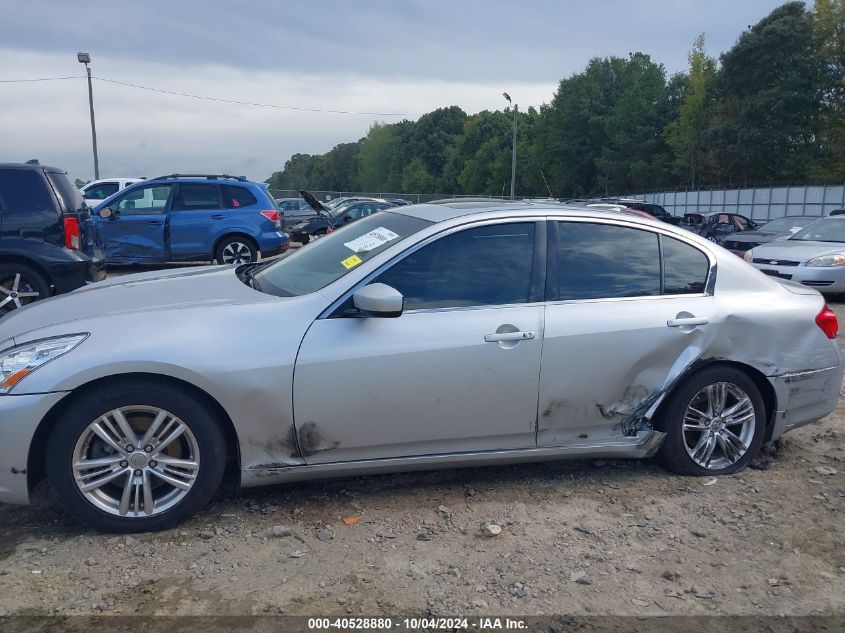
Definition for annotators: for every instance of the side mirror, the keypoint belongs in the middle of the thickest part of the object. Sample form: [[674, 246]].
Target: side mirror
[[346, 218], [378, 300], [106, 214]]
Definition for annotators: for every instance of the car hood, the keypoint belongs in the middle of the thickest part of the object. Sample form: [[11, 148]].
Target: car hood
[[144, 292], [797, 250]]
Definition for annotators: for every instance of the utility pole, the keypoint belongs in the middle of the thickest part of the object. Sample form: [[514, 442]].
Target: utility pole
[[513, 151], [85, 58]]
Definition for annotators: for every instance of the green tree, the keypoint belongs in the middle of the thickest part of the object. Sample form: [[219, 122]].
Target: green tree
[[686, 134], [768, 121], [416, 178]]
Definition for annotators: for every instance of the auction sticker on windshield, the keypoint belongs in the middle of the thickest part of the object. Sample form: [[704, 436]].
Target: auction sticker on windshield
[[371, 240], [351, 262]]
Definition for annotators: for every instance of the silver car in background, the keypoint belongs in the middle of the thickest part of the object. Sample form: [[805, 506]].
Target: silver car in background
[[814, 256], [424, 336]]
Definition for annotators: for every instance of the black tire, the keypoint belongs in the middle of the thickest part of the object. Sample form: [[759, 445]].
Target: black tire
[[238, 246], [30, 281], [673, 453], [147, 392]]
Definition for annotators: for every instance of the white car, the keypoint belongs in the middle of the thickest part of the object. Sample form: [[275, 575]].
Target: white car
[[98, 190]]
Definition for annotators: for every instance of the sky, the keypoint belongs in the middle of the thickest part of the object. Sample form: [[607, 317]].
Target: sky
[[371, 58]]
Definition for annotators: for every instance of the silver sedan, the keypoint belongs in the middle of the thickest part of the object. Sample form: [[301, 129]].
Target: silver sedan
[[814, 256], [427, 336]]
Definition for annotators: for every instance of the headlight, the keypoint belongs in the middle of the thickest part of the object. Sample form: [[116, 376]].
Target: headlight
[[826, 261], [18, 362], [748, 256]]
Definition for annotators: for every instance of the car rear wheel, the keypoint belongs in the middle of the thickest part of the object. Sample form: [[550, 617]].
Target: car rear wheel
[[20, 285], [135, 457], [714, 423], [236, 250]]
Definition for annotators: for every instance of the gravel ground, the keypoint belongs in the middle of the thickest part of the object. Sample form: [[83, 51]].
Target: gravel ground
[[577, 537]]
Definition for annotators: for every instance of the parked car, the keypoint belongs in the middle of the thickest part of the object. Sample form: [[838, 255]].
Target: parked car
[[838, 212], [619, 208], [814, 256], [406, 340], [654, 210], [98, 190], [716, 225], [46, 245], [295, 211], [778, 229], [190, 217], [330, 219], [399, 201]]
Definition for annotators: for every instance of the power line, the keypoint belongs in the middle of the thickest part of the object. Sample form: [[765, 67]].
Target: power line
[[249, 103], [18, 81]]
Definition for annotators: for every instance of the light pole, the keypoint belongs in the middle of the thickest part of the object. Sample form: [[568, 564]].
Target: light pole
[[513, 153], [85, 58]]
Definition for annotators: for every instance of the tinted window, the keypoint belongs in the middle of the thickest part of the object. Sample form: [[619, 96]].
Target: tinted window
[[235, 197], [600, 261], [487, 265], [685, 268], [144, 200], [24, 192], [68, 194], [101, 191], [197, 197]]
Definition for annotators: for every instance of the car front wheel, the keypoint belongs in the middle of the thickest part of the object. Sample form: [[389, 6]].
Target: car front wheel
[[714, 423], [136, 456]]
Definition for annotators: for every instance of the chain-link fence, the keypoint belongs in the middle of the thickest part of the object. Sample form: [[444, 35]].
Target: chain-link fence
[[761, 203]]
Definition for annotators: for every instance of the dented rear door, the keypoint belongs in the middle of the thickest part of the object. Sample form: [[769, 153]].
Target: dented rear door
[[630, 311]]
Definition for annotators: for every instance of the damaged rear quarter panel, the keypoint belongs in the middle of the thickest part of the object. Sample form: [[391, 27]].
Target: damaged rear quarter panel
[[607, 365]]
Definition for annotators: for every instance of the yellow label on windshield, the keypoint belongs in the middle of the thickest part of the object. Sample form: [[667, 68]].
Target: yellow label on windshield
[[351, 262]]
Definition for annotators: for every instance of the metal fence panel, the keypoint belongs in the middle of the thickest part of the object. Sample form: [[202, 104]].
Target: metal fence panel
[[761, 203]]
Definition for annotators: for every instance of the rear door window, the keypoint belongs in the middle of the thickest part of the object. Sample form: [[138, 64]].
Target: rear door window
[[685, 268], [604, 261], [196, 197], [235, 197]]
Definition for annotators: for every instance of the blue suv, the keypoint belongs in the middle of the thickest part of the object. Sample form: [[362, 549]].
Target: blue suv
[[190, 217]]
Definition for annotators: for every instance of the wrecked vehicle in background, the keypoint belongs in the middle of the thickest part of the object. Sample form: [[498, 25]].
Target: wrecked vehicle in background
[[455, 334], [190, 217]]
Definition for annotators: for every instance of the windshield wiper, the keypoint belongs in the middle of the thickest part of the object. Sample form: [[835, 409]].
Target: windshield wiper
[[247, 275]]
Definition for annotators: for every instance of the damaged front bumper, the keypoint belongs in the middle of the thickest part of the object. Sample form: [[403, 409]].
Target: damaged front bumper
[[19, 417], [805, 397]]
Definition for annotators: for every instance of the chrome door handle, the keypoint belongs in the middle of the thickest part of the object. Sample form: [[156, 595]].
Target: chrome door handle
[[688, 322], [508, 336]]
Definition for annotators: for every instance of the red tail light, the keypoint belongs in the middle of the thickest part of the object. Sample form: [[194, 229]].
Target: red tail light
[[72, 235], [827, 321], [274, 215]]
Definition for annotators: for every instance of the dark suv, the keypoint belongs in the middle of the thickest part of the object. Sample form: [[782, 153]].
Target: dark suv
[[46, 244]]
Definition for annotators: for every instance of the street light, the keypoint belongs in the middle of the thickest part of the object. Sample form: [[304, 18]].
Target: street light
[[85, 58], [513, 153]]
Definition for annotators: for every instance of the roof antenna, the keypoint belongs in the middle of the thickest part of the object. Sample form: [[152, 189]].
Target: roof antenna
[[33, 161]]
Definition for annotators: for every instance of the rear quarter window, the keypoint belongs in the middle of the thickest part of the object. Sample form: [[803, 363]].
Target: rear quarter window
[[25, 197], [685, 268], [235, 197]]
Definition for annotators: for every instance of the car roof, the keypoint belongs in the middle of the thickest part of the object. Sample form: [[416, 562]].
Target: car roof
[[32, 166], [449, 210]]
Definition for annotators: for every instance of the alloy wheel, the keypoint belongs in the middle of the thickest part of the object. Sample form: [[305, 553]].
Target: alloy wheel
[[237, 253], [136, 461], [16, 291], [719, 425]]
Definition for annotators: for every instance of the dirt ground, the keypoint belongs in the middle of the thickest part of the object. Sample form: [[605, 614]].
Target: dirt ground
[[585, 537]]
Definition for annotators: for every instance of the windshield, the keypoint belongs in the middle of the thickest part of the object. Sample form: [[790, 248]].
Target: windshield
[[824, 230], [787, 225], [331, 204], [328, 259]]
